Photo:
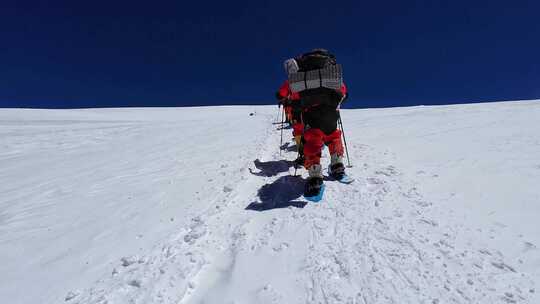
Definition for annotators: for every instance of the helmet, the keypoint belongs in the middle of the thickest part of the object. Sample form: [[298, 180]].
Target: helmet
[[290, 65]]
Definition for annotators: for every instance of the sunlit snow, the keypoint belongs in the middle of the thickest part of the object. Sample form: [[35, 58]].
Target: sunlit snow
[[197, 205]]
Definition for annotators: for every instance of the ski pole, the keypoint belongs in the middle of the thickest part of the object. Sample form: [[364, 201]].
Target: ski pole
[[302, 140], [297, 156], [281, 136], [279, 111], [295, 164], [344, 140]]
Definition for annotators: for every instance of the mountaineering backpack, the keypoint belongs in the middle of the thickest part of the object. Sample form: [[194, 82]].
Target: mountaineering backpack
[[317, 79], [316, 59], [316, 69]]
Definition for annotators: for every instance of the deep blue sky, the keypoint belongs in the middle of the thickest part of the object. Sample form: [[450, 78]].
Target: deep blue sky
[[172, 53]]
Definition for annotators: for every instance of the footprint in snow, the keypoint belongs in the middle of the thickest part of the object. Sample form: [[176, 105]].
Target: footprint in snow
[[281, 247], [71, 295], [135, 283], [128, 261], [387, 171], [529, 246], [268, 294]]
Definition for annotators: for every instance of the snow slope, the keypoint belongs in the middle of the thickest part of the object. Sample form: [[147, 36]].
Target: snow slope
[[196, 205]]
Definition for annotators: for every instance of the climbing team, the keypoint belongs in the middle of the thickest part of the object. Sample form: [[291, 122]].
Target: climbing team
[[312, 95]]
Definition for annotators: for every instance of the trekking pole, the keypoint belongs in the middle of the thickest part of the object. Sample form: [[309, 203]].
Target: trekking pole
[[344, 140], [302, 141], [281, 136]]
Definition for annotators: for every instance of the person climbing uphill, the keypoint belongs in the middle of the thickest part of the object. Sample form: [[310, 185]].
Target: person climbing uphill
[[317, 84], [292, 100]]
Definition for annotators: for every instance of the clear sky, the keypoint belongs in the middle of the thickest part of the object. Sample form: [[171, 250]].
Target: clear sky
[[174, 53]]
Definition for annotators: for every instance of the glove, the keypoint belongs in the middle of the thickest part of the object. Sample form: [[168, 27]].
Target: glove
[[345, 97], [286, 102], [342, 97], [280, 99]]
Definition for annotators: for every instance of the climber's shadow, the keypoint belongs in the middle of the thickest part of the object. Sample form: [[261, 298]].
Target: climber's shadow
[[282, 193], [271, 168]]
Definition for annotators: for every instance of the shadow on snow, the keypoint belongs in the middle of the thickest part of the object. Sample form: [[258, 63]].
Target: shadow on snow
[[284, 127], [288, 147], [282, 193], [271, 168]]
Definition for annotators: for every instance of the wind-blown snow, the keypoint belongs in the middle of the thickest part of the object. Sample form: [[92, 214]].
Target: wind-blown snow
[[196, 205]]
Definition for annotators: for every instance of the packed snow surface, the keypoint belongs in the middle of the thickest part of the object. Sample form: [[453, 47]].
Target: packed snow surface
[[199, 205]]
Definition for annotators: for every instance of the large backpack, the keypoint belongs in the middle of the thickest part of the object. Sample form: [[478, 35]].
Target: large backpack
[[316, 59], [318, 79]]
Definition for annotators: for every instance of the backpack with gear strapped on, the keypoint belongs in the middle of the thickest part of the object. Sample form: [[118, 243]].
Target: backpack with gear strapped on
[[318, 80]]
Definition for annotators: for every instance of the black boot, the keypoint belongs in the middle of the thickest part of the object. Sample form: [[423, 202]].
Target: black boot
[[313, 186], [337, 171]]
